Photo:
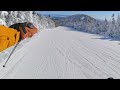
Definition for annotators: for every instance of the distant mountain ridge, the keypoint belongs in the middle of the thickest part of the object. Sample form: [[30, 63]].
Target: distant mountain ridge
[[56, 15], [77, 18]]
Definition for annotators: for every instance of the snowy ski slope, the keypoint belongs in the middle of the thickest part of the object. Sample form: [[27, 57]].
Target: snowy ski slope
[[63, 53]]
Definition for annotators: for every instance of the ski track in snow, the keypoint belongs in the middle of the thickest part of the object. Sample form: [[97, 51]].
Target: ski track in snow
[[62, 53]]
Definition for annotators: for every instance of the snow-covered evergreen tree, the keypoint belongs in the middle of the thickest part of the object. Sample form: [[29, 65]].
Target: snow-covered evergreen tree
[[112, 27], [8, 18], [117, 28]]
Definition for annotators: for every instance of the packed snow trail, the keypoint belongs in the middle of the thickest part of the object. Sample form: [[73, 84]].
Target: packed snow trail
[[63, 53]]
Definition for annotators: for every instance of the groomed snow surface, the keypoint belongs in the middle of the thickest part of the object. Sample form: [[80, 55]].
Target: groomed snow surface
[[63, 53]]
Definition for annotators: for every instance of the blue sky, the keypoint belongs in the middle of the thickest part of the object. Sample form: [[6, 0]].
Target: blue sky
[[95, 14]]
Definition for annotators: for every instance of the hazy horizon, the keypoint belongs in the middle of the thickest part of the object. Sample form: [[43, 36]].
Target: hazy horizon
[[96, 14]]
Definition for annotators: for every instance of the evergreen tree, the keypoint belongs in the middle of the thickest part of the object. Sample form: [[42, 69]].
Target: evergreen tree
[[105, 26], [117, 31], [112, 27]]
